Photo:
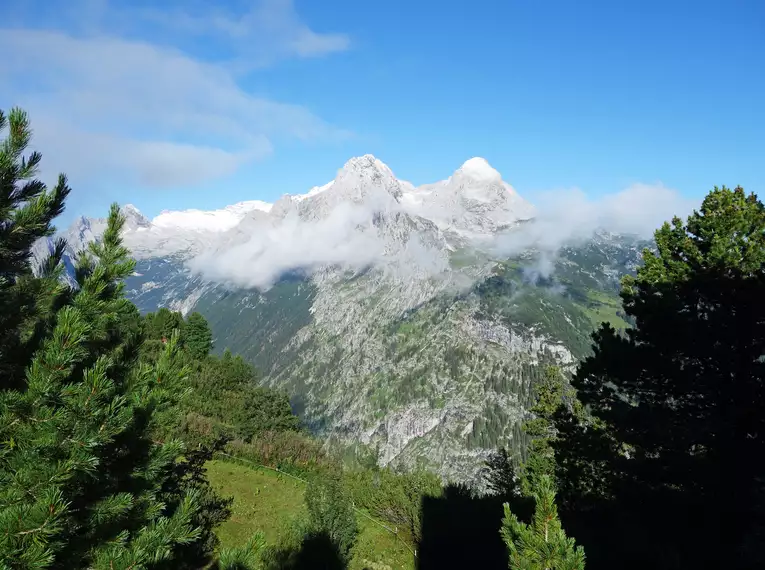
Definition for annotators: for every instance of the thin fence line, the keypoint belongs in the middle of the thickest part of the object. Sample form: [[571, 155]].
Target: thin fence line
[[390, 530]]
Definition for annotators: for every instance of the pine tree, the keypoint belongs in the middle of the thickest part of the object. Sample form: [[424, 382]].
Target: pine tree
[[678, 402], [500, 474], [27, 210], [541, 545], [197, 336], [160, 325], [553, 397], [246, 557], [80, 478]]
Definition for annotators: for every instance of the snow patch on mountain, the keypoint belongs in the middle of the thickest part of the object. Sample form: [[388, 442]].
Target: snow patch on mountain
[[313, 191], [214, 221], [367, 218], [480, 170]]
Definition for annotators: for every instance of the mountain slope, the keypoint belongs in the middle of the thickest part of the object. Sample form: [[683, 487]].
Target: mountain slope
[[395, 316]]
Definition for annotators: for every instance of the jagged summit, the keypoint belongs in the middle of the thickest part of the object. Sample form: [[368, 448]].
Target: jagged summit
[[473, 201], [363, 179], [367, 162], [134, 219], [479, 170]]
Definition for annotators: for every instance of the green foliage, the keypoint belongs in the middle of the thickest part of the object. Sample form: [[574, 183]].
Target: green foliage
[[27, 207], [27, 210], [330, 512], [553, 396], [246, 557], [81, 481], [267, 500], [160, 325], [677, 402], [189, 476], [500, 474], [225, 391], [197, 336], [541, 545], [290, 451], [394, 497]]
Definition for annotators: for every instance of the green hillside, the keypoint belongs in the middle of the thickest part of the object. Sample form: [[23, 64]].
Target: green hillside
[[266, 501]]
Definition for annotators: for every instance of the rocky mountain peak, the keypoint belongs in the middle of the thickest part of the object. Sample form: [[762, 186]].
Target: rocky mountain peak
[[367, 164], [134, 219], [363, 174]]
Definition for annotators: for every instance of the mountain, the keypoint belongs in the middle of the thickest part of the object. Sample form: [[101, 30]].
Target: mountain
[[414, 320]]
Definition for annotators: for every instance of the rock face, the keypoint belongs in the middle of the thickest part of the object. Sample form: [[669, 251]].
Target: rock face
[[388, 312]]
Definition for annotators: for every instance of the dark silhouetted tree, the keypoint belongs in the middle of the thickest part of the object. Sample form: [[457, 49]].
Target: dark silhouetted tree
[[677, 404]]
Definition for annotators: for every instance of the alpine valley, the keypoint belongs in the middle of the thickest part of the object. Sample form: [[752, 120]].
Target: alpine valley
[[412, 320]]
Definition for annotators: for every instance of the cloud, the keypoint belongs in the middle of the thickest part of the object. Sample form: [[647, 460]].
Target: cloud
[[145, 109], [264, 32], [344, 238], [333, 231], [569, 217]]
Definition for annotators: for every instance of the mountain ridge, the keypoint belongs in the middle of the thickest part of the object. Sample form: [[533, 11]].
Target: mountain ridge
[[396, 317]]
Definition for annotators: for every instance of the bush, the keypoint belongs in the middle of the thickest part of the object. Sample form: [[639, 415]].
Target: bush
[[394, 497], [330, 511], [289, 451]]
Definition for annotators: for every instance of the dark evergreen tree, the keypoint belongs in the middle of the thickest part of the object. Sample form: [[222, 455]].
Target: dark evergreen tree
[[553, 395], [500, 474], [83, 481], [677, 403], [27, 210], [197, 336]]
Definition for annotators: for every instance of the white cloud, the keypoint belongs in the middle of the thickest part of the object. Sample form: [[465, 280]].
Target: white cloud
[[343, 238], [338, 232], [568, 217], [146, 111], [264, 32]]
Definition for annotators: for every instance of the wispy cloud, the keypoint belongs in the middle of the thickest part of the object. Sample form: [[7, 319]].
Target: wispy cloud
[[332, 231], [145, 107], [261, 34], [570, 218]]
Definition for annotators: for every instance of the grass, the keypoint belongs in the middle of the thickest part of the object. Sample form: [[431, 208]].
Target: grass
[[603, 307], [265, 500], [262, 501]]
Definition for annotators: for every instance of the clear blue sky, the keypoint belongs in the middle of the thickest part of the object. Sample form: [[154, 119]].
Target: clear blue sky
[[553, 93]]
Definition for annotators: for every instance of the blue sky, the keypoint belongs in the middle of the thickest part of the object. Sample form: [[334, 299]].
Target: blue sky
[[199, 104]]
